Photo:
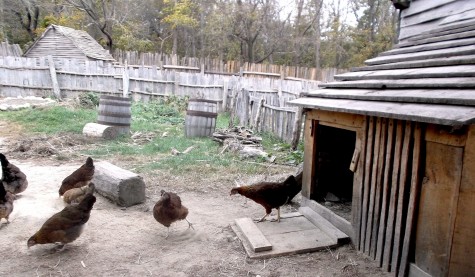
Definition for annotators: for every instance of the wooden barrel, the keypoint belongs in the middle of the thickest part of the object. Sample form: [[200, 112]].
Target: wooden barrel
[[200, 118], [115, 111]]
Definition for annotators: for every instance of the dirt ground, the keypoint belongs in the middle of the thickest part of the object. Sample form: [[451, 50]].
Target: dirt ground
[[129, 242]]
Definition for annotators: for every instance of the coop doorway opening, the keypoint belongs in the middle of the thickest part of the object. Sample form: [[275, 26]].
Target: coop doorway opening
[[333, 187]]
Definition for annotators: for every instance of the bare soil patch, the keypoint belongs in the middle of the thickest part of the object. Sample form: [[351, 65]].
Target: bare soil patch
[[129, 242]]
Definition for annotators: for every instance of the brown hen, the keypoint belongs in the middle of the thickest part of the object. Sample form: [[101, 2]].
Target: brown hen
[[76, 195], [169, 209], [65, 226], [14, 180], [271, 195], [79, 178], [6, 203]]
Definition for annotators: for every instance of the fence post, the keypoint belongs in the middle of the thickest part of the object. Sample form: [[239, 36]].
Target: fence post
[[257, 121], [297, 127], [177, 83], [225, 94], [125, 80], [54, 79]]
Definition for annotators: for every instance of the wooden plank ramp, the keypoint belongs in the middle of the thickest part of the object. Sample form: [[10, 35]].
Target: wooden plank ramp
[[253, 235], [292, 235], [324, 225]]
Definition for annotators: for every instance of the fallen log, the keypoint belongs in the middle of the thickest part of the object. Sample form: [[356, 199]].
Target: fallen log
[[100, 131]]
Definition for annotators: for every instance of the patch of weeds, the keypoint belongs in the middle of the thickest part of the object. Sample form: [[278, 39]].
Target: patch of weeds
[[282, 150], [156, 112], [88, 100]]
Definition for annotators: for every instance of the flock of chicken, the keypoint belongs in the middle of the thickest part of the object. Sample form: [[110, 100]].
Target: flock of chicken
[[77, 191]]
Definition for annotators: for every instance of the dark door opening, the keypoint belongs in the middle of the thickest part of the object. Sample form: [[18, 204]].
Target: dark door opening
[[334, 179]]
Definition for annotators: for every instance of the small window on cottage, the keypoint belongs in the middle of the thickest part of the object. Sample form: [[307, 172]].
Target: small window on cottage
[[334, 179]]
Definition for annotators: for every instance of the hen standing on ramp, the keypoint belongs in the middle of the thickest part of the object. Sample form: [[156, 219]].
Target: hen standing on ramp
[[271, 195], [14, 180], [79, 178], [65, 226], [169, 209]]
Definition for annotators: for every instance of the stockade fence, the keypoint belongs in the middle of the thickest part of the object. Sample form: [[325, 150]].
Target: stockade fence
[[238, 94], [231, 67]]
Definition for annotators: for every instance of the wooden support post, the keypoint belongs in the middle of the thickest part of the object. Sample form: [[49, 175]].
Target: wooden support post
[[54, 79], [125, 80]]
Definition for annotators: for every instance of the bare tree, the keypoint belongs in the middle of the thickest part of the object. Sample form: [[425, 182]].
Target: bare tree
[[101, 12]]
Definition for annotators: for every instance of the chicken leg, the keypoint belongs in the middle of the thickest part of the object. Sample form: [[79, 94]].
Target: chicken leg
[[190, 225]]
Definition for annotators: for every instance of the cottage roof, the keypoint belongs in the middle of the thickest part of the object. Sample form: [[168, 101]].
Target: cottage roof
[[82, 40], [428, 77]]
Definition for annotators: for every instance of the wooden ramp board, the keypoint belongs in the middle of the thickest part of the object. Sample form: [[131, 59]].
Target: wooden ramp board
[[254, 236], [293, 234], [324, 225]]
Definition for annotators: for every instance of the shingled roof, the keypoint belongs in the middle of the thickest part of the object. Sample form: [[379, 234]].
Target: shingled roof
[[82, 40], [429, 77]]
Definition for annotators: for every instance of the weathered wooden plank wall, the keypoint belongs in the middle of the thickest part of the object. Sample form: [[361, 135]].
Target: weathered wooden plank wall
[[210, 65], [266, 111], [31, 76], [10, 50]]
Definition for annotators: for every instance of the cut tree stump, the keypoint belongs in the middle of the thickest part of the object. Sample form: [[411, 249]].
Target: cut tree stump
[[100, 131], [123, 187]]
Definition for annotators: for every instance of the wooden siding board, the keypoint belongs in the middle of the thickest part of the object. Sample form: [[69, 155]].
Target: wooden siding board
[[414, 190], [439, 53], [414, 73], [441, 9], [375, 170], [464, 97], [443, 170], [422, 6], [386, 187], [451, 32], [401, 199], [457, 40], [462, 257], [458, 82], [444, 61], [388, 245], [463, 41], [436, 114], [367, 182]]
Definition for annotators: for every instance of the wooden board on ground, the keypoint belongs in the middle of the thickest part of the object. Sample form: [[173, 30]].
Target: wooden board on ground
[[292, 235], [254, 236]]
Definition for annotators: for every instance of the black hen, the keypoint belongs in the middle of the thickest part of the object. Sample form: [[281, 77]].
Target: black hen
[[14, 180]]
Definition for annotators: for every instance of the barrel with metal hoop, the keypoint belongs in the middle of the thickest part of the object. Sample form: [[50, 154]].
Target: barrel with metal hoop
[[115, 111], [200, 118]]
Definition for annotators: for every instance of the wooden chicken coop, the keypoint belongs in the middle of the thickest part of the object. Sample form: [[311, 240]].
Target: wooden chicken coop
[[394, 141]]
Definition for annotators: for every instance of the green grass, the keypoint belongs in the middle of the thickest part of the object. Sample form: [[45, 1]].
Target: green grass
[[157, 117], [51, 120]]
